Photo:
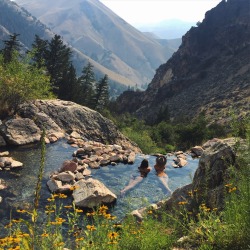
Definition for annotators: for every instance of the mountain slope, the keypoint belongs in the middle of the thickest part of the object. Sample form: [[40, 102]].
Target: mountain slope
[[14, 18], [210, 72], [95, 30]]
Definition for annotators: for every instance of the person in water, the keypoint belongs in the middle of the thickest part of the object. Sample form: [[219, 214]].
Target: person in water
[[159, 167], [144, 169]]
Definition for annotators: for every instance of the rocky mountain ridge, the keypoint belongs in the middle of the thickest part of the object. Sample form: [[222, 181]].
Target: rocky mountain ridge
[[209, 73]]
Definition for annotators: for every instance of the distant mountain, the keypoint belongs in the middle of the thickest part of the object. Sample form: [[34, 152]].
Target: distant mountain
[[210, 72], [96, 31], [16, 19], [167, 29]]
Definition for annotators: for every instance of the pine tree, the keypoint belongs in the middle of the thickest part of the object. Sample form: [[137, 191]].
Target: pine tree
[[86, 84], [58, 61], [68, 85], [40, 51], [11, 46], [102, 94]]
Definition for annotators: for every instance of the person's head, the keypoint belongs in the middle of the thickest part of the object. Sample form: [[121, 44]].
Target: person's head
[[144, 163], [161, 160]]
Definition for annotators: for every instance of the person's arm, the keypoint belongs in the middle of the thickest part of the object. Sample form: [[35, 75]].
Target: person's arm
[[131, 184], [164, 181]]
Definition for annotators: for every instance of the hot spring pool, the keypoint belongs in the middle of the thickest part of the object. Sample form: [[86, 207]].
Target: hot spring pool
[[21, 183]]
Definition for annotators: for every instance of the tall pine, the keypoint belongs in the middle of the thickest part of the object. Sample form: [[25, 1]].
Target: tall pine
[[40, 51], [58, 62], [11, 45], [86, 84], [102, 94]]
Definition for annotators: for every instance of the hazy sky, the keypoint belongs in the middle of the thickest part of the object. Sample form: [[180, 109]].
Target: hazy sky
[[138, 12]]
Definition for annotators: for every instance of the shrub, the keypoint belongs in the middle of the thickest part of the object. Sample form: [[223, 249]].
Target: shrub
[[20, 82]]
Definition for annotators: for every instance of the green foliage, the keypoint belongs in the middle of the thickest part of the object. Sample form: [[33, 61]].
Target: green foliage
[[85, 92], [11, 46], [57, 62], [166, 136], [101, 98], [20, 82]]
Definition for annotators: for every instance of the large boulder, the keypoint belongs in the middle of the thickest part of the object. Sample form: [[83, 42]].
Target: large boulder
[[210, 178], [58, 117], [91, 193], [20, 131]]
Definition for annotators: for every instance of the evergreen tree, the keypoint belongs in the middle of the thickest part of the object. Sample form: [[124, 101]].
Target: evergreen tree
[[58, 62], [102, 94], [68, 85], [11, 45], [40, 51], [86, 83]]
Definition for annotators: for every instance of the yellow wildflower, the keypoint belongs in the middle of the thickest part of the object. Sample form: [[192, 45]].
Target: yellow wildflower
[[49, 211], [68, 206], [113, 235], [232, 189], [182, 202], [90, 214], [79, 239], [63, 196], [91, 227], [45, 235], [79, 210], [22, 211], [74, 188], [59, 244], [16, 220]]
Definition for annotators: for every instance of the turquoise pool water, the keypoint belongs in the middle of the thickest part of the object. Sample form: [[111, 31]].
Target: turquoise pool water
[[21, 183]]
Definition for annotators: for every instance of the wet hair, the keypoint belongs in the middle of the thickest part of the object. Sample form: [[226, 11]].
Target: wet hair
[[161, 160], [144, 163]]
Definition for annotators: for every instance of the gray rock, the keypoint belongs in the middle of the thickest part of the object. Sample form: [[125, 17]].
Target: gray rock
[[68, 166], [94, 165], [79, 176], [20, 131], [86, 172], [64, 116], [65, 176], [181, 162], [16, 164], [197, 150], [5, 153], [131, 158], [54, 185], [75, 135], [92, 193]]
